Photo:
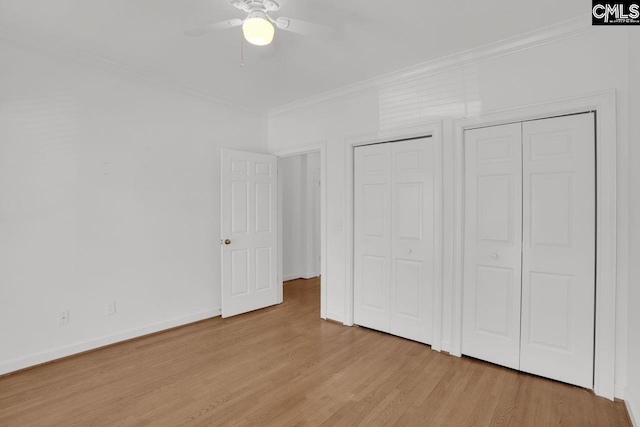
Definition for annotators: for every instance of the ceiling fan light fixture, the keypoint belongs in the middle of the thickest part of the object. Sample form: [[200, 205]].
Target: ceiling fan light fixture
[[258, 30]]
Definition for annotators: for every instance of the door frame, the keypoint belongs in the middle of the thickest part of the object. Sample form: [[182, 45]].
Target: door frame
[[604, 105], [321, 147], [434, 131]]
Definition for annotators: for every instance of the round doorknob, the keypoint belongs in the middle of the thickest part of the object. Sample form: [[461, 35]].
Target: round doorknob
[[408, 251], [227, 242], [494, 256]]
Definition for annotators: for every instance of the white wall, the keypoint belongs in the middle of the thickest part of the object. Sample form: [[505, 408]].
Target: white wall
[[632, 395], [109, 191], [313, 215], [292, 243], [588, 61], [300, 199]]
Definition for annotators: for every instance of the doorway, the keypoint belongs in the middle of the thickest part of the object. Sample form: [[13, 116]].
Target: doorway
[[314, 262], [252, 227], [300, 189]]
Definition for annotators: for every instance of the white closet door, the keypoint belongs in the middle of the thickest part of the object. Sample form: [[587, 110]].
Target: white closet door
[[372, 236], [394, 237], [492, 257], [412, 238], [558, 280]]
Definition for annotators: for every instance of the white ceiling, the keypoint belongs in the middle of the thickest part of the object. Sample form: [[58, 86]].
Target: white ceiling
[[373, 37]]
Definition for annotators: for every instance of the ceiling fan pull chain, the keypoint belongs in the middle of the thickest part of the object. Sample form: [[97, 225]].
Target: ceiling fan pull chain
[[241, 49]]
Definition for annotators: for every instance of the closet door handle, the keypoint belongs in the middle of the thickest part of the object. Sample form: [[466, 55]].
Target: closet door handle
[[494, 255]]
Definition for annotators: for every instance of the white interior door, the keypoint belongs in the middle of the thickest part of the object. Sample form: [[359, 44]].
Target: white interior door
[[558, 272], [249, 231], [394, 237], [372, 236], [492, 255], [412, 239]]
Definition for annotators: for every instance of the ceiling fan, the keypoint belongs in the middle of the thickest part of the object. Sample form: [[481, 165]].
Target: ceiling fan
[[258, 25]]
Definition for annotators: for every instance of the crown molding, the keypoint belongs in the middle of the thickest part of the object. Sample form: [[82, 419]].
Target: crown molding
[[115, 67], [532, 39]]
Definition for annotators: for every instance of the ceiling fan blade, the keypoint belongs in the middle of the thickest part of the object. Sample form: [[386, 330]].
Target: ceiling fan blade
[[250, 5], [273, 5], [239, 4], [302, 27], [194, 32]]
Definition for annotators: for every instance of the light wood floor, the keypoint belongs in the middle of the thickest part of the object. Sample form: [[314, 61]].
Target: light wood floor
[[284, 366]]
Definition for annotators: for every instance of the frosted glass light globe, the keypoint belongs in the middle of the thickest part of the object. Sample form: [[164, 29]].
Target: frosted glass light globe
[[258, 31]]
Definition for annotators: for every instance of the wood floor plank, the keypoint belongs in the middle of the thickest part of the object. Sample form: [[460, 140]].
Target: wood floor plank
[[284, 366]]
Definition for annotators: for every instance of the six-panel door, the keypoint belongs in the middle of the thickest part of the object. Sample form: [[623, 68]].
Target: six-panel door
[[558, 251], [372, 236], [413, 205], [249, 231]]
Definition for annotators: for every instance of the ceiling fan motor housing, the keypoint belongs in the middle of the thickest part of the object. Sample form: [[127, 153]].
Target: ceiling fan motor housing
[[257, 14], [259, 23], [250, 6]]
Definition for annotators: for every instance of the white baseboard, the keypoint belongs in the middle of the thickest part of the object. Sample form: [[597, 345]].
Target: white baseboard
[[310, 275], [60, 352], [618, 390], [632, 408]]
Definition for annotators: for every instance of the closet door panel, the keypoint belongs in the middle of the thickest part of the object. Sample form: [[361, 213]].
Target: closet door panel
[[558, 283], [372, 236], [412, 238], [493, 235]]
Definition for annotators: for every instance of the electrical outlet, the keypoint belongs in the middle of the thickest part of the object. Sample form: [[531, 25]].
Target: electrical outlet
[[111, 308], [64, 317]]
